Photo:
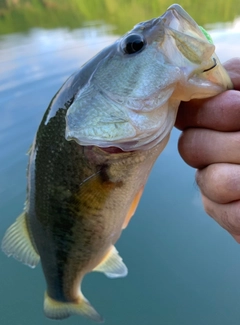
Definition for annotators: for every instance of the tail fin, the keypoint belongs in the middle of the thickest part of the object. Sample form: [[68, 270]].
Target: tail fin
[[60, 310]]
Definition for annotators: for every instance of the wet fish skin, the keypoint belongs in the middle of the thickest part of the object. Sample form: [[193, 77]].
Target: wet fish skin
[[81, 188], [82, 191], [176, 63], [81, 195]]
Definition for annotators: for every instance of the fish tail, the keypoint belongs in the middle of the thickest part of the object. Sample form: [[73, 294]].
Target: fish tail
[[59, 310]]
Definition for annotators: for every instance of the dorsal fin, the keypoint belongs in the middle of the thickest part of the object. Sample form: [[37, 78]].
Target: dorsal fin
[[112, 265], [17, 243]]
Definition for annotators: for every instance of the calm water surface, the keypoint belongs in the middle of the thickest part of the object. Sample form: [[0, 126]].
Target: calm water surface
[[183, 268]]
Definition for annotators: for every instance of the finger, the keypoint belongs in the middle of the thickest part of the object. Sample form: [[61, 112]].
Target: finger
[[202, 147], [233, 68], [236, 237], [189, 115], [220, 182], [221, 113], [227, 215]]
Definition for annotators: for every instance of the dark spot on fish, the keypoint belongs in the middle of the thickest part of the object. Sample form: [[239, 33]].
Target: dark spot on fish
[[105, 178]]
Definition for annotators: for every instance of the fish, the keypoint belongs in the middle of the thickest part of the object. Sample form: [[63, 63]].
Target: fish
[[95, 147]]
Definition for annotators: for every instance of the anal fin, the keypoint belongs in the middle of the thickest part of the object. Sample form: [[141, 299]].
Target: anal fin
[[112, 265], [59, 310], [17, 243]]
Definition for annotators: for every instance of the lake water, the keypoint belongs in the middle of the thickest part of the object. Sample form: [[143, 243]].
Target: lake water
[[183, 268]]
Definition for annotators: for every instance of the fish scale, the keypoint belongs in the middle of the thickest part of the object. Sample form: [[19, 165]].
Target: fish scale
[[96, 146]]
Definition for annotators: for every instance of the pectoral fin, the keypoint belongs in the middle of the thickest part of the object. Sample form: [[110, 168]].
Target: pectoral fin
[[17, 243], [112, 265], [133, 208]]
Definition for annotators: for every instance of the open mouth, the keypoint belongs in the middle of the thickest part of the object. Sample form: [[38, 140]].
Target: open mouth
[[112, 149]]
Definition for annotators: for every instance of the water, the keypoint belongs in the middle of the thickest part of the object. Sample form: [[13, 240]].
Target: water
[[183, 268]]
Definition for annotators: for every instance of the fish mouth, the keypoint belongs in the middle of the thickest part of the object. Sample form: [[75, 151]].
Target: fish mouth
[[112, 150]]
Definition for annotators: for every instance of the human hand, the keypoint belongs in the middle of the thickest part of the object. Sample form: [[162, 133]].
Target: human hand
[[210, 142]]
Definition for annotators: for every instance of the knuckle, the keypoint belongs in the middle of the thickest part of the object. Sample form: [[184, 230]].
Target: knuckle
[[231, 222], [208, 179], [208, 207], [219, 182], [227, 215], [187, 147]]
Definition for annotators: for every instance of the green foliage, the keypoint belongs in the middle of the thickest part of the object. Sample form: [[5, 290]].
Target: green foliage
[[21, 15]]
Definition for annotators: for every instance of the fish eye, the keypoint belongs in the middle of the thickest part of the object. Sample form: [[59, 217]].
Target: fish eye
[[133, 43], [214, 65]]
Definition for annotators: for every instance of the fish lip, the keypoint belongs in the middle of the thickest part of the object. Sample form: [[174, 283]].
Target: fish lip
[[107, 155], [176, 17], [176, 8], [113, 150]]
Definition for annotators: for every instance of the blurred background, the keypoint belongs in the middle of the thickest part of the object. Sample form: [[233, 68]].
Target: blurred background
[[183, 268]]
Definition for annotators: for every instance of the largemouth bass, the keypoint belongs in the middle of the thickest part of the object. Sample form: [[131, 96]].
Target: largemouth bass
[[95, 148]]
